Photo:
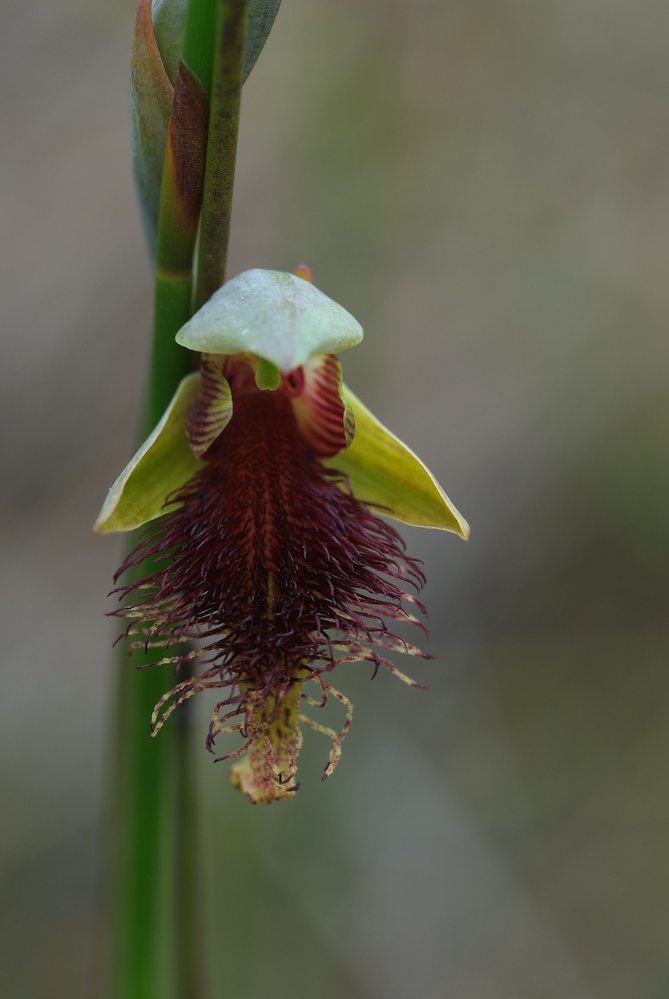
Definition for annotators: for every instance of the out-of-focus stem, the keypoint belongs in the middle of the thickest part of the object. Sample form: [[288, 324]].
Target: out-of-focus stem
[[157, 944], [144, 955], [192, 964], [219, 175]]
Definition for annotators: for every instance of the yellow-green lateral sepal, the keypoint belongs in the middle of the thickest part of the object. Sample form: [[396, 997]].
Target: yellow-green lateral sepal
[[163, 464], [383, 470], [279, 317]]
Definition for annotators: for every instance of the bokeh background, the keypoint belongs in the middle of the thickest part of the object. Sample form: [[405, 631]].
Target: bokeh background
[[485, 183]]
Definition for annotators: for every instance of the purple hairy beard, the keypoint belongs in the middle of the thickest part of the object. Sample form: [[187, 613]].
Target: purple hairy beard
[[268, 562]]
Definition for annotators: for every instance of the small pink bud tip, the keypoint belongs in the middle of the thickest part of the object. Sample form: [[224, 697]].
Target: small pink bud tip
[[304, 272]]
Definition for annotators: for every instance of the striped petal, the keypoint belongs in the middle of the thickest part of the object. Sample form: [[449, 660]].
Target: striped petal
[[163, 464], [384, 471], [211, 412], [324, 419]]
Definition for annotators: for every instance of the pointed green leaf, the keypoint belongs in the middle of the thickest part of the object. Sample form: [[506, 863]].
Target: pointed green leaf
[[277, 316], [158, 42], [163, 463], [169, 23], [262, 14], [383, 470], [151, 95]]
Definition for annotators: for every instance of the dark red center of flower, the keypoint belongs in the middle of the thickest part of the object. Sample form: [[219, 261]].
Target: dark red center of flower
[[270, 562]]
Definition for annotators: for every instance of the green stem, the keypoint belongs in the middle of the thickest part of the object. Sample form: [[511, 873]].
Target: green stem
[[214, 236], [192, 967], [147, 816], [219, 178], [156, 937]]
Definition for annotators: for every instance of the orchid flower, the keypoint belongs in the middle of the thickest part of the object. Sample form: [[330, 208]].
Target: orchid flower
[[267, 480]]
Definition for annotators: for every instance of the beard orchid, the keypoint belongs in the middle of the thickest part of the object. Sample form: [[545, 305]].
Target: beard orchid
[[266, 561]]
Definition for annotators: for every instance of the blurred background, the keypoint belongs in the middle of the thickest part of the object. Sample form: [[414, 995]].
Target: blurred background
[[485, 184]]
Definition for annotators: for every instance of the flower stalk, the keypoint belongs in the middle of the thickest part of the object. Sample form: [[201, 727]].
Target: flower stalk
[[219, 175], [155, 950]]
